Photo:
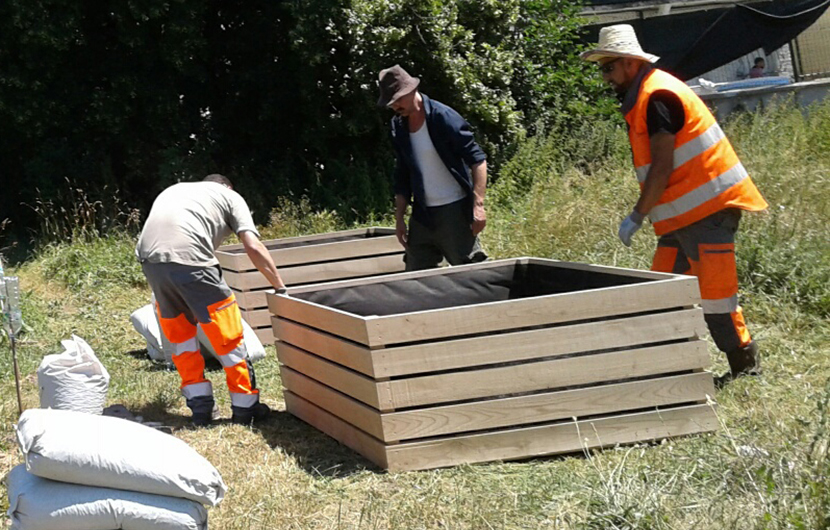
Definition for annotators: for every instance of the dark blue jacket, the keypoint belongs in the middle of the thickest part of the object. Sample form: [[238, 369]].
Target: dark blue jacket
[[453, 140]]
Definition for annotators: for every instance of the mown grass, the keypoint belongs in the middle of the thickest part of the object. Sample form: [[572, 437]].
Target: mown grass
[[561, 197]]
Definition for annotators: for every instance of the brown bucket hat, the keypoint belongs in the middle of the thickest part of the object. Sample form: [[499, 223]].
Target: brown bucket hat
[[395, 82]]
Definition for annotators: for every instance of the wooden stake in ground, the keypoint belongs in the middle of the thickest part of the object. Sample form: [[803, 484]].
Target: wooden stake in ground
[[13, 321], [16, 372]]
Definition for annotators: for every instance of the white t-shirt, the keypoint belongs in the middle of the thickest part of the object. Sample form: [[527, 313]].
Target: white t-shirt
[[189, 220], [440, 186]]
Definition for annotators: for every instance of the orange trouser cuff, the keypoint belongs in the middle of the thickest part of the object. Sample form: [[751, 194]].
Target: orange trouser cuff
[[239, 379]]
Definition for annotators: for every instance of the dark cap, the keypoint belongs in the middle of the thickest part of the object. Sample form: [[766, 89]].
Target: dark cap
[[395, 82]]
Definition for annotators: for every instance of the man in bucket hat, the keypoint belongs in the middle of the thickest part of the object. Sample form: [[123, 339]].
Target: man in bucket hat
[[440, 169], [692, 186]]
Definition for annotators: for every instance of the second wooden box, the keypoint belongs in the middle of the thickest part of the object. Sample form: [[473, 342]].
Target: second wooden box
[[305, 260]]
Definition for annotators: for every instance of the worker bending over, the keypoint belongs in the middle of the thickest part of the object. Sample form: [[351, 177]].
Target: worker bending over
[[693, 187], [176, 250]]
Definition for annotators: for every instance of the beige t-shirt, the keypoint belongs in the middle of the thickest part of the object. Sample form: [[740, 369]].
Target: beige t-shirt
[[189, 220]]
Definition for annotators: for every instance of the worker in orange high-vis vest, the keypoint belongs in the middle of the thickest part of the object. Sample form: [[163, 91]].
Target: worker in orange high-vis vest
[[693, 187], [176, 250]]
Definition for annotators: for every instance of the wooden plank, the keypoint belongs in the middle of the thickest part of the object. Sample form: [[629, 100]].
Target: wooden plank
[[341, 250], [351, 437], [602, 269], [493, 349], [503, 380], [265, 335], [551, 439], [347, 325], [352, 411], [233, 261], [535, 408], [356, 385], [503, 412], [252, 300], [325, 345], [320, 272], [544, 375], [507, 347], [324, 252], [258, 318], [311, 238], [407, 275], [680, 291]]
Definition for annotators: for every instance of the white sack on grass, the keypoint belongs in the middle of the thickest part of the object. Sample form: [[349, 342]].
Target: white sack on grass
[[115, 453], [40, 504], [74, 379], [145, 322]]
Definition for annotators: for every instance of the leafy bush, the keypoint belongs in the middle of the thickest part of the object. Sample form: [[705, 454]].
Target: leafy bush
[[280, 96]]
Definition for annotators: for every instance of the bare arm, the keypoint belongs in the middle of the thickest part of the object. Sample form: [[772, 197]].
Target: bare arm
[[662, 164], [479, 172], [400, 222], [261, 258]]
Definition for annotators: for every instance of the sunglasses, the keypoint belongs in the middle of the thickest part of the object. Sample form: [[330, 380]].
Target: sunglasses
[[608, 67]]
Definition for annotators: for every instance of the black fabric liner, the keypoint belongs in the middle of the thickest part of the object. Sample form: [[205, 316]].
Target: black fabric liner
[[296, 244], [480, 286]]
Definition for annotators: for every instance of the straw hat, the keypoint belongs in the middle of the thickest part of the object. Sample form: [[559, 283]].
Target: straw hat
[[618, 41]]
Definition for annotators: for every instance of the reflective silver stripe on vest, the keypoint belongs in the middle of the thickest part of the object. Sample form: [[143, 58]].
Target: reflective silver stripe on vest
[[694, 147], [244, 400], [721, 305], [698, 145], [699, 195], [197, 389], [186, 346]]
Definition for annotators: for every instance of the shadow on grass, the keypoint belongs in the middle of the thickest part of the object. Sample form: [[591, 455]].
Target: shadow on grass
[[315, 452], [211, 364]]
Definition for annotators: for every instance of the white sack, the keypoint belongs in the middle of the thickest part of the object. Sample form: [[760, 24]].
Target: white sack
[[39, 504], [145, 321], [115, 453], [74, 379]]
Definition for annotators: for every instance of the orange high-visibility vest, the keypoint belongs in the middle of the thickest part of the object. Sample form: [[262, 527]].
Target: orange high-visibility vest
[[707, 175]]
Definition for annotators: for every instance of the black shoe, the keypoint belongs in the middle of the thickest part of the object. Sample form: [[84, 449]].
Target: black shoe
[[204, 410], [742, 362], [201, 419], [250, 415]]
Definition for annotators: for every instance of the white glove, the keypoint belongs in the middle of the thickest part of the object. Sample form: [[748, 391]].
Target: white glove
[[629, 227]]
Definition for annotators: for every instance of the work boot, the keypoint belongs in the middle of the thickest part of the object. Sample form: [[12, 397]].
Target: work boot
[[204, 410], [742, 361], [250, 415]]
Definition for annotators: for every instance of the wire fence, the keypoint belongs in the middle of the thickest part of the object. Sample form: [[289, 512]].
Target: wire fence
[[811, 50]]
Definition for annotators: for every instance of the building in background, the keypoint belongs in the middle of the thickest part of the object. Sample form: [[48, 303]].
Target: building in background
[[719, 40]]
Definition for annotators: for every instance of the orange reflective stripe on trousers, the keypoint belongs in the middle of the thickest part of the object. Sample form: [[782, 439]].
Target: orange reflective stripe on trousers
[[186, 357]]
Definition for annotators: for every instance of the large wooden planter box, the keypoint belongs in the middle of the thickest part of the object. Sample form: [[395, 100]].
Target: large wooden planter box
[[495, 361], [305, 260]]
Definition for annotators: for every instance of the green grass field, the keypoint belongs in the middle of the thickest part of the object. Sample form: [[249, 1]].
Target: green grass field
[[767, 467]]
